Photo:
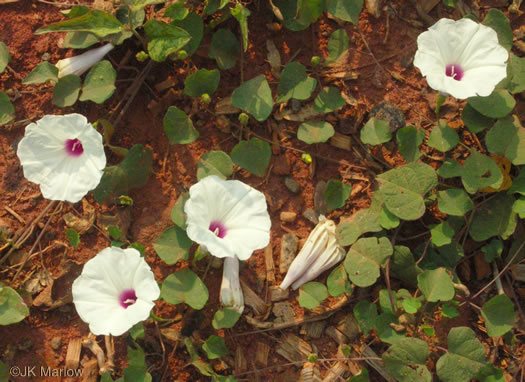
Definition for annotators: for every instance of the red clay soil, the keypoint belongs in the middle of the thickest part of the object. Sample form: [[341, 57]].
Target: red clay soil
[[174, 171]]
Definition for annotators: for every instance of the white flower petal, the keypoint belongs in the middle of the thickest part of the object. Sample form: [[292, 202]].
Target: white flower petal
[[231, 293], [474, 51], [239, 209], [81, 63], [45, 160], [97, 291]]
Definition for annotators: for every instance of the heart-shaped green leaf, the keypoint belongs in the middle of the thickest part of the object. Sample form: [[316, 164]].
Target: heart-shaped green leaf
[[179, 127], [173, 245], [254, 97], [184, 286], [253, 155], [99, 84]]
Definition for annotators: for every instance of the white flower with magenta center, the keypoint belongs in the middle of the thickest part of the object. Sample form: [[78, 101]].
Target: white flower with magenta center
[[230, 220], [461, 58], [319, 253], [81, 63], [115, 291], [64, 154]]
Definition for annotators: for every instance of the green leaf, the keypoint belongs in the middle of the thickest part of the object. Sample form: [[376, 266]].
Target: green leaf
[[465, 357], [315, 132], [475, 121], [442, 234], [443, 137], [214, 163], [405, 360], [140, 4], [179, 127], [329, 99], [375, 132], [403, 265], [177, 11], [364, 259], [7, 110], [203, 367], [73, 237], [80, 40], [294, 83], [312, 294], [519, 207], [497, 105], [492, 250], [518, 184], [516, 66], [132, 172], [384, 329], [409, 139], [298, 15], [363, 221], [346, 10], [96, 22], [254, 97], [173, 245], [12, 307], [66, 91], [362, 376], [450, 169], [499, 22], [164, 39], [225, 318], [499, 316], [454, 201], [436, 285], [480, 171], [366, 314], [5, 57], [387, 219], [225, 49], [201, 82], [4, 372], [403, 189], [194, 25], [213, 6], [215, 347], [507, 138], [41, 74], [137, 369], [253, 155], [446, 256], [337, 282], [177, 212], [335, 194], [492, 218], [241, 14], [337, 45], [99, 84], [184, 286], [411, 305], [449, 311]]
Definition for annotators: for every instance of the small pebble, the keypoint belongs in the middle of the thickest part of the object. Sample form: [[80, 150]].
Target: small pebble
[[56, 343], [311, 215], [288, 216], [390, 113], [292, 185]]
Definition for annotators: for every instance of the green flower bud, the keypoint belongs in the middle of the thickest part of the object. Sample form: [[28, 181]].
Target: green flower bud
[[182, 55], [141, 56], [206, 98], [243, 119], [315, 61], [307, 158]]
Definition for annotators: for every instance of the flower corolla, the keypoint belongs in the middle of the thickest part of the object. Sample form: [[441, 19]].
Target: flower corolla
[[80, 64]]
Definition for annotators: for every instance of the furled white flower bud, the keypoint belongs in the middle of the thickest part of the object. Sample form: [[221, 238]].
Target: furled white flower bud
[[231, 292], [320, 252], [81, 63]]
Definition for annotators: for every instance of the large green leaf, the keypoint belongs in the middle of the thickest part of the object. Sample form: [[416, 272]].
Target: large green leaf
[[140, 4], [516, 66], [225, 49], [465, 357], [507, 138], [499, 316], [12, 307], [405, 360], [442, 137], [500, 23], [66, 90], [375, 132], [363, 221], [346, 10], [475, 121], [97, 22], [184, 286], [295, 83], [225, 318], [42, 73], [194, 25], [255, 97], [454, 201], [403, 265], [7, 110], [177, 214], [329, 99], [315, 132], [436, 285], [215, 347], [366, 314], [214, 163], [179, 127], [253, 155], [480, 171], [173, 245], [403, 189], [299, 14], [201, 82], [335, 194], [164, 39], [337, 282], [80, 40], [364, 259], [5, 57], [409, 139], [312, 294], [492, 218], [132, 172], [497, 105], [99, 84], [337, 45]]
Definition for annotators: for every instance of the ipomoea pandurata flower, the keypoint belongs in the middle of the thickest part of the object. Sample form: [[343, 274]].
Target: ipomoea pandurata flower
[[81, 63], [320, 252]]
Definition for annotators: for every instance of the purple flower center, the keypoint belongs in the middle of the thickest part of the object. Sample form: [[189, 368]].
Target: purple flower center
[[455, 71], [127, 298], [74, 147], [218, 228]]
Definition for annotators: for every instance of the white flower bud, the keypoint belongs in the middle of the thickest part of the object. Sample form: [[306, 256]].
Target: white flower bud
[[81, 63]]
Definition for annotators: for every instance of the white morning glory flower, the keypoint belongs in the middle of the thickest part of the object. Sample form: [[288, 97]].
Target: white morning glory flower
[[319, 253], [64, 154], [461, 58], [115, 290], [81, 63], [228, 219]]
